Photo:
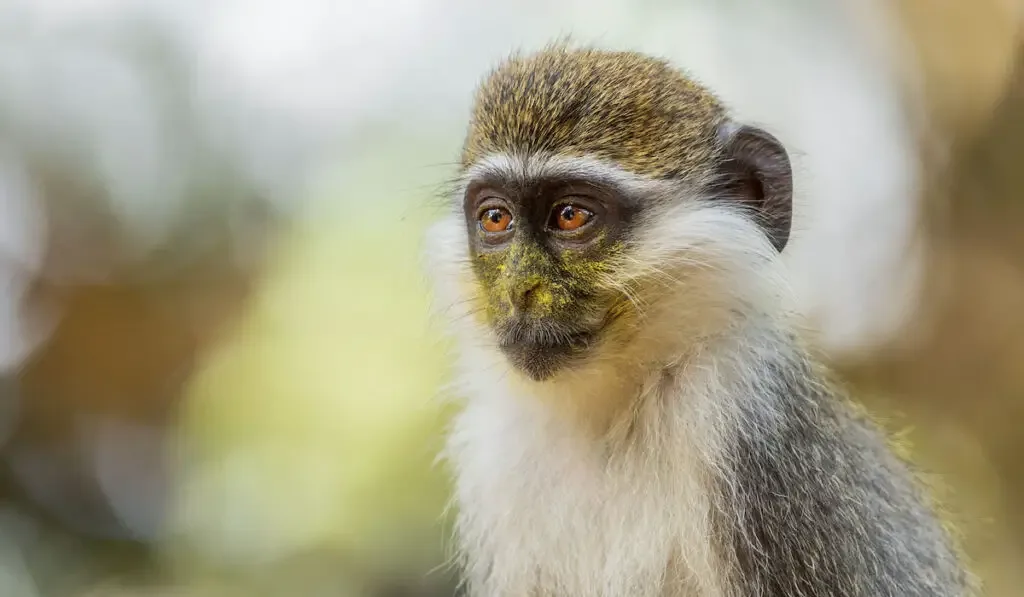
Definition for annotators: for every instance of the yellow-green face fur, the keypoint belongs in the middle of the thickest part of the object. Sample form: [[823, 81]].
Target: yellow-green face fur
[[561, 283], [630, 109]]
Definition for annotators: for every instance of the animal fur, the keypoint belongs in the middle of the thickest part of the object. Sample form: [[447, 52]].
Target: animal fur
[[699, 450]]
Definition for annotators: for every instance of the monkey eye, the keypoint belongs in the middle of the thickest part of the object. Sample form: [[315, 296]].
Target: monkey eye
[[495, 219], [569, 217]]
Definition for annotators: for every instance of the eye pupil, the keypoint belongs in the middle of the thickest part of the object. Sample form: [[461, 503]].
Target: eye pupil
[[568, 213]]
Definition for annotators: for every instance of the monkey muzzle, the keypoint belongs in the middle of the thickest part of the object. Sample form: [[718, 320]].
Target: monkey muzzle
[[540, 348]]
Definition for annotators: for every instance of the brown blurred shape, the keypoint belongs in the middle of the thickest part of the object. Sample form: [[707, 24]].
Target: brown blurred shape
[[97, 400], [961, 380]]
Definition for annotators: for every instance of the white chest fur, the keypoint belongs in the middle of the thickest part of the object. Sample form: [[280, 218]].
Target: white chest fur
[[545, 510]]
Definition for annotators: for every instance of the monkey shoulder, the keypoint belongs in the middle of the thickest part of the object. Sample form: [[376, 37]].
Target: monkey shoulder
[[819, 503]]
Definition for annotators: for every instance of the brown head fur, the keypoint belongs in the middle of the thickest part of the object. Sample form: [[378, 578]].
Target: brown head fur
[[634, 110]]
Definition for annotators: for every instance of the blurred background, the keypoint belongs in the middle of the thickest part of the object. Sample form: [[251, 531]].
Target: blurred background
[[217, 371]]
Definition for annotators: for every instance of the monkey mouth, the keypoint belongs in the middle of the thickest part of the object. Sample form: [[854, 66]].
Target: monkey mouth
[[540, 352], [545, 338]]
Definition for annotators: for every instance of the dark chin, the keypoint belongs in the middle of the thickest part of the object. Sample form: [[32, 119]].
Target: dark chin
[[540, 362]]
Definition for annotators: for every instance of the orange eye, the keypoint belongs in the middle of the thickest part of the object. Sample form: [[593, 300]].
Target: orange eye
[[495, 219], [570, 217]]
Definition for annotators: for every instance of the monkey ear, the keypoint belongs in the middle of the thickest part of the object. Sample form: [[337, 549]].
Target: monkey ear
[[755, 170]]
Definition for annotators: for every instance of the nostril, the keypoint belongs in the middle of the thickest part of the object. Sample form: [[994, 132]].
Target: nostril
[[525, 298]]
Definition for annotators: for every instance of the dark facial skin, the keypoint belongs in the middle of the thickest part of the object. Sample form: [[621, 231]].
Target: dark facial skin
[[539, 248]]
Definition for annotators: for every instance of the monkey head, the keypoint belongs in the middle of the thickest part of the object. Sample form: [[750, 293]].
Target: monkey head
[[604, 198]]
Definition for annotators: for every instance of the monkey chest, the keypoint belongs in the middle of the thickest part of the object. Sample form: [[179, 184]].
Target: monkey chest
[[576, 533]]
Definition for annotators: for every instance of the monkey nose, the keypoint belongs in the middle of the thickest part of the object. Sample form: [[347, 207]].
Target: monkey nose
[[522, 298]]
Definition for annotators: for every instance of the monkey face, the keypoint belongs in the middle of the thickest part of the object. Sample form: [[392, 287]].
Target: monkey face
[[541, 247], [577, 260]]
